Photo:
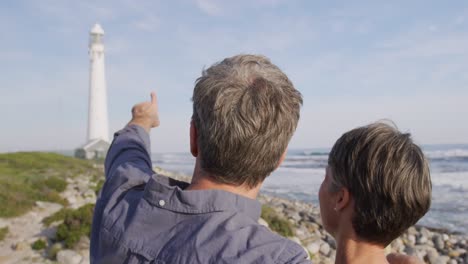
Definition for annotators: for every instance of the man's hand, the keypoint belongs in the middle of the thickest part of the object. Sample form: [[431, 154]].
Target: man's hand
[[146, 114], [395, 258]]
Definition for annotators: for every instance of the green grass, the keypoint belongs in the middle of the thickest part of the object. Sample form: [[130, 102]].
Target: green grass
[[277, 223], [76, 223], [58, 216], [39, 244], [3, 233], [26, 177]]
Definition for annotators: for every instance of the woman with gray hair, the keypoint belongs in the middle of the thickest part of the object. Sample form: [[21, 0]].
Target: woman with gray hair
[[377, 184]]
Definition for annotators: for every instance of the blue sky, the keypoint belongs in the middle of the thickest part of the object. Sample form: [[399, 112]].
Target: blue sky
[[354, 62]]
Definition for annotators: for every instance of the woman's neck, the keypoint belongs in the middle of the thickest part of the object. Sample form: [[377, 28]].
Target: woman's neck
[[352, 251]]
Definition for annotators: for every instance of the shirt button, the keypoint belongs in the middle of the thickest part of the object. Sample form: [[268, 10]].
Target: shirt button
[[162, 202]]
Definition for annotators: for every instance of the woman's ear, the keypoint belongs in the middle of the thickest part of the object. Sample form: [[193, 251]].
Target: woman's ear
[[193, 139], [342, 199]]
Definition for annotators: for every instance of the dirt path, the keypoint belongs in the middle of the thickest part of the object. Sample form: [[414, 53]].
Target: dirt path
[[23, 231]]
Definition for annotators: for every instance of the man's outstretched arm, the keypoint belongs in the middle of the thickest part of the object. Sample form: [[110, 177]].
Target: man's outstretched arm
[[128, 165], [128, 162]]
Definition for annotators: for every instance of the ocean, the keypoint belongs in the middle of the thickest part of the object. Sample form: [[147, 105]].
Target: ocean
[[300, 176]]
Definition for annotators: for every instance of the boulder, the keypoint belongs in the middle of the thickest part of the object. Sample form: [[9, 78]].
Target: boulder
[[439, 243], [313, 247], [262, 222], [22, 245], [421, 240], [432, 255], [68, 257], [442, 260], [410, 250], [325, 249], [83, 244], [52, 251], [425, 232], [412, 231]]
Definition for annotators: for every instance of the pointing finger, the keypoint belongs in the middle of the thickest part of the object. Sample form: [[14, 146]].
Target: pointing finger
[[153, 98]]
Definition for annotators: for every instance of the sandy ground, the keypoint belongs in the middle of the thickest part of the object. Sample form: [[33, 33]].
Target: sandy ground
[[23, 231]]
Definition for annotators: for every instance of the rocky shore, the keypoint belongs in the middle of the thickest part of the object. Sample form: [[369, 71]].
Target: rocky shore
[[432, 246]]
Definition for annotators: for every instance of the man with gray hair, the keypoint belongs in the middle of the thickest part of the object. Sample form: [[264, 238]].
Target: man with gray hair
[[245, 111]]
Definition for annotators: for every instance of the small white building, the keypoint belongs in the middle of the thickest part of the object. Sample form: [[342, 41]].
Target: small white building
[[95, 149]]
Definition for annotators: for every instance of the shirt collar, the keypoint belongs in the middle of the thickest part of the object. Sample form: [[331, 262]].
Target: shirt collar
[[169, 194]]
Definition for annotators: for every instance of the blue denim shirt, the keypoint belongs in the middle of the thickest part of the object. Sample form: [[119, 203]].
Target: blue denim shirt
[[142, 217]]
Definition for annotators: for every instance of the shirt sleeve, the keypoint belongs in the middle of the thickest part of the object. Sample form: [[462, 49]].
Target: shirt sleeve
[[128, 163], [294, 254], [127, 166]]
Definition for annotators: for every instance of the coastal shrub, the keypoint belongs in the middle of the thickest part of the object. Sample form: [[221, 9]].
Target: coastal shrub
[[76, 223], [26, 177], [277, 223], [39, 244], [3, 233], [56, 184], [57, 216]]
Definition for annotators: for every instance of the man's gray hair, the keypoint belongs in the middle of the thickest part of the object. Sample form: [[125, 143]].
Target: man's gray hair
[[245, 110]]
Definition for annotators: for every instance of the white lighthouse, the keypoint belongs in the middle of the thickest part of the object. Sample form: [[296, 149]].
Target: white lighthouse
[[98, 123]]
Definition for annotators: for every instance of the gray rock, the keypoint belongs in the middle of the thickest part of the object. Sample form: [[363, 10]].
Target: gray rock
[[83, 244], [262, 222], [331, 241], [410, 250], [89, 195], [22, 245], [50, 232], [313, 247], [398, 245], [421, 240], [301, 233], [412, 231], [293, 214], [425, 232], [412, 239], [442, 260], [421, 252], [324, 249], [453, 241], [432, 255], [52, 251], [438, 242], [445, 237], [68, 257], [452, 261]]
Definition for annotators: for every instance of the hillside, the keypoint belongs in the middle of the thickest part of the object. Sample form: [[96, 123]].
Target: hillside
[[26, 177]]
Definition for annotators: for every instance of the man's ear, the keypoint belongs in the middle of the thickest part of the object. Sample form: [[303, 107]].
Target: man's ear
[[193, 139], [342, 199]]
